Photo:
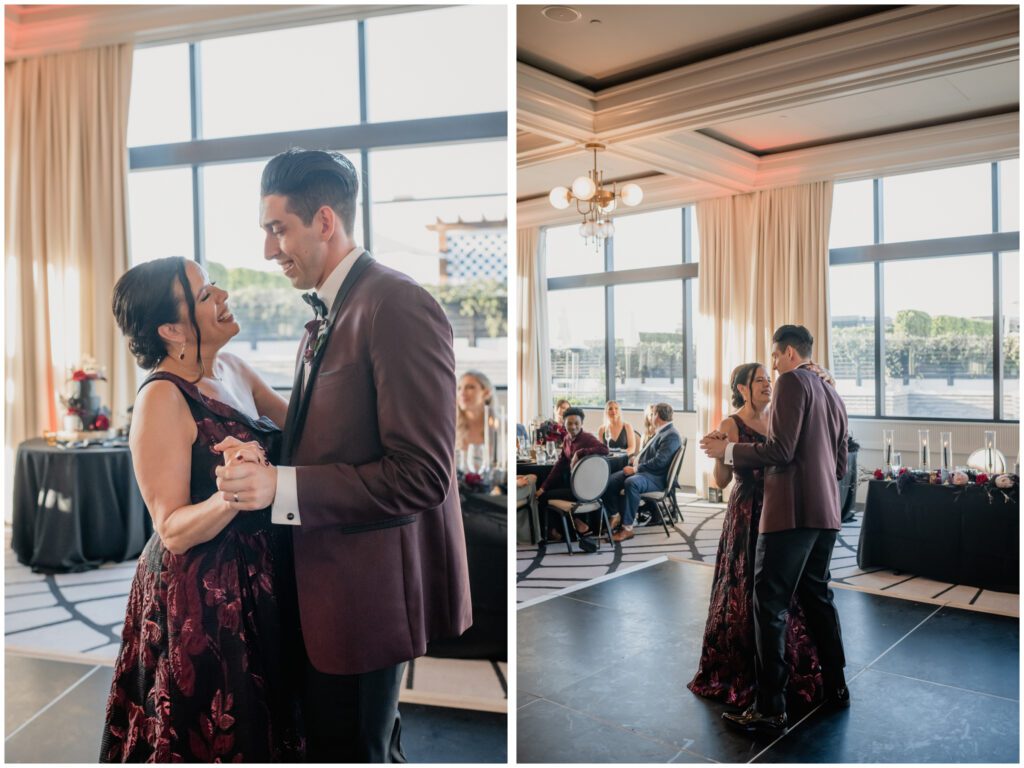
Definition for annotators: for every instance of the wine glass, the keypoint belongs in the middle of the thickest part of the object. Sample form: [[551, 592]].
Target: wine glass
[[552, 449]]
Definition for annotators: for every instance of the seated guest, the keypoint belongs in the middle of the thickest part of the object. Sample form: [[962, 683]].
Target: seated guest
[[648, 431], [560, 408], [472, 394], [649, 474], [576, 445], [615, 433], [522, 433]]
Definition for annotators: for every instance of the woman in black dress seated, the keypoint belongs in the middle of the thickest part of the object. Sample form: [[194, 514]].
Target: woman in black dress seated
[[201, 675], [726, 669], [614, 432]]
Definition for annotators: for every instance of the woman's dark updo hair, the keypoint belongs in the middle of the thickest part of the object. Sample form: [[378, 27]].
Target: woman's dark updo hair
[[144, 300], [742, 374]]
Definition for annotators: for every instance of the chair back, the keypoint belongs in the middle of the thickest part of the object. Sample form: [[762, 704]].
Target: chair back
[[589, 478], [675, 467]]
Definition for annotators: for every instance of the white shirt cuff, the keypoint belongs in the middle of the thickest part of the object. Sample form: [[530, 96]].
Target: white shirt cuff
[[286, 502], [727, 460]]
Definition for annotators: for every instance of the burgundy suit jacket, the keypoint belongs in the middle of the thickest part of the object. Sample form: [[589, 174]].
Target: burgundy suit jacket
[[380, 556], [804, 456], [585, 444]]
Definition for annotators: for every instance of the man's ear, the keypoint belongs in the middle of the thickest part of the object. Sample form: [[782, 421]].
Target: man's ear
[[327, 222]]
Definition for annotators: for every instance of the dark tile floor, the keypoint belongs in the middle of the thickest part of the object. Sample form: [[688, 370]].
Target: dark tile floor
[[602, 674], [54, 714]]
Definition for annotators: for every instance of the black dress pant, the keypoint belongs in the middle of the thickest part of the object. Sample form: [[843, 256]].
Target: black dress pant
[[791, 561], [353, 718]]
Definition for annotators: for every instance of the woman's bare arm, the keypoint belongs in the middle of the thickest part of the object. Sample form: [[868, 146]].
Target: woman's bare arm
[[161, 443]]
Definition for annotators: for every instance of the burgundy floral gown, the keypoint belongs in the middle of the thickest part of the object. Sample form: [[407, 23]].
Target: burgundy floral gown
[[727, 659], [202, 674]]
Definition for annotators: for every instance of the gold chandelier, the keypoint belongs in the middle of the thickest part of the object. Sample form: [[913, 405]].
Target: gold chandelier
[[595, 202]]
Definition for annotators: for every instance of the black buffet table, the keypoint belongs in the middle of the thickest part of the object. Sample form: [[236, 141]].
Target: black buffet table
[[485, 518], [943, 533], [75, 508]]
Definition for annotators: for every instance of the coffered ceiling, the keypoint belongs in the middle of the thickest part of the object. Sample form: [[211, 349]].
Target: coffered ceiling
[[704, 101]]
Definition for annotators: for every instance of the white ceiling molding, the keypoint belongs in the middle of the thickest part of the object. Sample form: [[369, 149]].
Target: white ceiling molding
[[972, 141], [552, 107], [888, 48], [659, 192], [45, 29], [654, 121], [697, 156]]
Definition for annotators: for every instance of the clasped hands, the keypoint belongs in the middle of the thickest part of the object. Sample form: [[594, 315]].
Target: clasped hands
[[247, 481], [713, 444]]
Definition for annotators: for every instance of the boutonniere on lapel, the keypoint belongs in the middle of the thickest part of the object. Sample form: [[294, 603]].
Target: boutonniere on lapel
[[316, 329]]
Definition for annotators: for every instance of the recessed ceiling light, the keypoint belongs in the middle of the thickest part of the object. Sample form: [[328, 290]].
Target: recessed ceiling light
[[595, 21], [561, 13]]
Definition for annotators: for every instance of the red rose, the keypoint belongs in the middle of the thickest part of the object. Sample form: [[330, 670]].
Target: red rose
[[981, 479], [903, 471], [102, 422], [879, 474], [79, 376], [472, 478]]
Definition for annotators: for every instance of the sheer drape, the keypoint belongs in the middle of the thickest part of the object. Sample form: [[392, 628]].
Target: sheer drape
[[532, 330], [66, 238], [763, 263]]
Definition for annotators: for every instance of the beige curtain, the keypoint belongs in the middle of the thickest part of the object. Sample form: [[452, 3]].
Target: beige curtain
[[532, 330], [763, 263], [66, 241]]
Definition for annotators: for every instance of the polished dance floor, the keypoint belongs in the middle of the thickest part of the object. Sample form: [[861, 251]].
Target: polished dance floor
[[602, 675]]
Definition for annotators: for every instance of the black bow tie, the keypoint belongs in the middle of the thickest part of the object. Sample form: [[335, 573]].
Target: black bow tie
[[319, 308]]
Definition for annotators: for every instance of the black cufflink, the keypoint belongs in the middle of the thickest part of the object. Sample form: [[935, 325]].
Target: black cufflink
[[291, 515]]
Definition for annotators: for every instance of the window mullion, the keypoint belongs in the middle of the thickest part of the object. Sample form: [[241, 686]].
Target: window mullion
[[196, 128], [879, 306], [609, 324], [997, 307]]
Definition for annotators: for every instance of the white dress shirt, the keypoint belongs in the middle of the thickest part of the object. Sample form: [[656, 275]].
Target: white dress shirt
[[286, 502]]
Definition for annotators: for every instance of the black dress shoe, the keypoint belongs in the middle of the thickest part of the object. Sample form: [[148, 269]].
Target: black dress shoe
[[838, 698], [752, 721]]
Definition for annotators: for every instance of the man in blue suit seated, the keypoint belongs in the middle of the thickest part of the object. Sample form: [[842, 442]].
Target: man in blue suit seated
[[649, 473]]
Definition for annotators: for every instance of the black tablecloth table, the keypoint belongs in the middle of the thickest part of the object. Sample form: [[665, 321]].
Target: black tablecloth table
[[616, 462], [485, 518], [75, 508], [943, 533]]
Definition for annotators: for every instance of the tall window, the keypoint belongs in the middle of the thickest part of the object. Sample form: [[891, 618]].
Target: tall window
[[925, 297], [425, 132], [620, 314]]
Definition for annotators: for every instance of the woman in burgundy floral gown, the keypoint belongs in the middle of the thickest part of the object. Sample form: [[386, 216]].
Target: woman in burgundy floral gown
[[202, 675], [727, 660]]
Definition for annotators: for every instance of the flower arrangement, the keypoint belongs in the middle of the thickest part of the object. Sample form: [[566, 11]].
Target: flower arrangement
[[960, 481], [81, 402], [552, 431]]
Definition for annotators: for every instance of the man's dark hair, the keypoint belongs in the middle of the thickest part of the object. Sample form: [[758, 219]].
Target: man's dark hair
[[795, 336], [311, 179], [573, 412], [663, 411]]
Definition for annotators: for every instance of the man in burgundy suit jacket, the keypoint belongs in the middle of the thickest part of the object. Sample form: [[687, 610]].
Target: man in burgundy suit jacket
[[804, 457], [366, 476], [576, 445]]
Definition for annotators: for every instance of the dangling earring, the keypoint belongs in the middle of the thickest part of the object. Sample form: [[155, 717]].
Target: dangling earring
[[181, 356]]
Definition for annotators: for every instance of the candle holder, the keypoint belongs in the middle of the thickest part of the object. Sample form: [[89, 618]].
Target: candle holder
[[887, 454], [946, 455], [922, 443], [990, 452]]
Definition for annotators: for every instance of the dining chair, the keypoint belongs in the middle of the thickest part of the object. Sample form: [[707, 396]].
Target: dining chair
[[588, 482]]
